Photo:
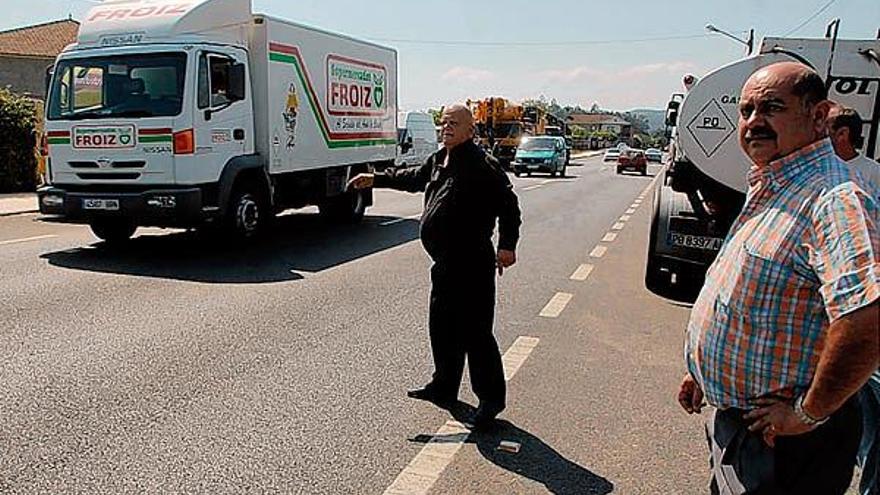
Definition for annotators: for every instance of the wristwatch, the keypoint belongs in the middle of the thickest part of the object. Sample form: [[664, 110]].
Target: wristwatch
[[804, 417]]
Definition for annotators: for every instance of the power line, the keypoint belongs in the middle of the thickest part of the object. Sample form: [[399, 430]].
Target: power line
[[536, 43], [809, 19]]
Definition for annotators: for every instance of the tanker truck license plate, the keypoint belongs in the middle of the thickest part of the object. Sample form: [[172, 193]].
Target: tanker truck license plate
[[101, 204], [695, 241]]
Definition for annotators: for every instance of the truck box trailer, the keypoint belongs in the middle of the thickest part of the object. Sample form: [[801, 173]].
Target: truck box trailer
[[183, 113]]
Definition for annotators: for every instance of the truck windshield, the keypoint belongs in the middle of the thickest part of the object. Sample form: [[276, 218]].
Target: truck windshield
[[508, 131], [147, 85], [538, 144]]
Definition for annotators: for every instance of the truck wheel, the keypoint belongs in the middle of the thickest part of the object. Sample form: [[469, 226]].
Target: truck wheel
[[113, 231], [656, 280], [348, 207], [248, 212]]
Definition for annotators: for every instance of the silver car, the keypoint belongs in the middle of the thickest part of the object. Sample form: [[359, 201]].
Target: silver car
[[611, 155]]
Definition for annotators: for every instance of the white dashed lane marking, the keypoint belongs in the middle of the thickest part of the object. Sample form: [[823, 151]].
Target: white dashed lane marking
[[556, 305], [598, 251], [426, 467], [618, 226], [582, 272], [625, 218], [609, 237], [27, 239]]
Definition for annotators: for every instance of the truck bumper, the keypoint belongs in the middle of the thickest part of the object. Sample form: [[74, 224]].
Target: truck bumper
[[155, 207]]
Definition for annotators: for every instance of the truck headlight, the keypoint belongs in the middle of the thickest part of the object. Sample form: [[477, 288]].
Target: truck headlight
[[162, 202], [51, 201]]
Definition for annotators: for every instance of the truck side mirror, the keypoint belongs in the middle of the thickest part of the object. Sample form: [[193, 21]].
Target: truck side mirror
[[407, 145], [672, 113], [236, 82], [47, 81]]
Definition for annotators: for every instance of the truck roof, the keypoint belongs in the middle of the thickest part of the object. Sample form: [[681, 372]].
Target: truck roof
[[134, 22]]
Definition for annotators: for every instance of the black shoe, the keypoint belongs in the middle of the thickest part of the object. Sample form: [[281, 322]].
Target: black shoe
[[431, 395], [485, 415]]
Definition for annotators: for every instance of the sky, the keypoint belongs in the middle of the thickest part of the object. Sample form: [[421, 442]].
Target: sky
[[622, 54]]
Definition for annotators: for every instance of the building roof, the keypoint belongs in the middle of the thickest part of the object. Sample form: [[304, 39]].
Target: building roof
[[596, 119], [41, 40]]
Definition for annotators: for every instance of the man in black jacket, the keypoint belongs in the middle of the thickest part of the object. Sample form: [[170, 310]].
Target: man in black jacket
[[466, 192]]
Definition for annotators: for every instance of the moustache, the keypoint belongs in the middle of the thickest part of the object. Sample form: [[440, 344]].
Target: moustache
[[760, 133]]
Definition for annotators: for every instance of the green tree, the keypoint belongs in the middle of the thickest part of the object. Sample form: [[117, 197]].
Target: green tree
[[18, 164], [436, 114]]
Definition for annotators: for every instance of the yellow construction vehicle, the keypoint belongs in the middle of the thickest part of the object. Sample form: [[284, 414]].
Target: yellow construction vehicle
[[500, 126]]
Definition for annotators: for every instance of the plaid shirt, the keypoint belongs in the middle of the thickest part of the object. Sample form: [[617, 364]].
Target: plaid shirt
[[805, 251]]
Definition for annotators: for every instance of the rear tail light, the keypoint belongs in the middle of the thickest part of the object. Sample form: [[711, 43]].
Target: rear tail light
[[184, 142]]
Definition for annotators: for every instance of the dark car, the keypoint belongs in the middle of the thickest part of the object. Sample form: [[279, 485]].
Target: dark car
[[631, 159]]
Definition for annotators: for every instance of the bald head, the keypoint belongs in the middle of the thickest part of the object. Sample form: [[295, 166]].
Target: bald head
[[783, 108], [458, 125]]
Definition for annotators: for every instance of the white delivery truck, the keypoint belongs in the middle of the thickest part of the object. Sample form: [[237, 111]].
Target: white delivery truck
[[703, 187], [417, 138], [180, 113]]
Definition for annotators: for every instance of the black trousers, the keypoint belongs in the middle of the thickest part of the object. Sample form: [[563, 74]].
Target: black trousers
[[461, 319], [819, 462]]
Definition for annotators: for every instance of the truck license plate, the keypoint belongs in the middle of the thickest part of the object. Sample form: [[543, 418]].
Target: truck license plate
[[695, 241], [101, 204]]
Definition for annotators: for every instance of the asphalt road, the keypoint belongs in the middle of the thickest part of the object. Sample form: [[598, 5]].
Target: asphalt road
[[180, 365]]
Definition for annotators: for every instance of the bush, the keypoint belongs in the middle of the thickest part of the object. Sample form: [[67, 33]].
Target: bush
[[18, 164]]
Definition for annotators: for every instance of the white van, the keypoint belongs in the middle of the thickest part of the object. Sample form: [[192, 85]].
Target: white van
[[416, 138]]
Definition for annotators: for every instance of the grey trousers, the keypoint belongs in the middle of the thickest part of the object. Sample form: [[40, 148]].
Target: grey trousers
[[819, 462]]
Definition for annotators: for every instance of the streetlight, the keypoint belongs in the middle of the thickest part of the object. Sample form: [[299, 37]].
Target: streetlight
[[749, 43]]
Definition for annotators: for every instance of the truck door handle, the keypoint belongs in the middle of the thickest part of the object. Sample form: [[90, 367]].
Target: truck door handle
[[238, 134]]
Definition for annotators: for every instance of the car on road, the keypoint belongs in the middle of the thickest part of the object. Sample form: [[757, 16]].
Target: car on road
[[611, 155], [654, 155], [632, 159], [540, 154]]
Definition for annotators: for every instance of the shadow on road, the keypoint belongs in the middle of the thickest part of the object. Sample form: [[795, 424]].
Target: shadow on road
[[296, 243], [535, 460]]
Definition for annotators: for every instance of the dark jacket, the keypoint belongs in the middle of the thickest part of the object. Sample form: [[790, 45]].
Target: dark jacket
[[462, 203]]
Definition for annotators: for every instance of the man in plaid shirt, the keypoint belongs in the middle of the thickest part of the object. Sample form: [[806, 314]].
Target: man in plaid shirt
[[785, 330]]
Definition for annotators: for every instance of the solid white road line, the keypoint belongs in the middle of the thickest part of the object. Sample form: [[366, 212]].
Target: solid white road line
[[27, 239], [609, 237], [532, 188], [398, 220], [426, 467], [598, 251], [556, 305], [582, 272]]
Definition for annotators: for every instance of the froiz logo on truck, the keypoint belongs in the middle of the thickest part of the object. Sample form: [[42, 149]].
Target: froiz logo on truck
[[355, 88], [88, 137], [121, 13]]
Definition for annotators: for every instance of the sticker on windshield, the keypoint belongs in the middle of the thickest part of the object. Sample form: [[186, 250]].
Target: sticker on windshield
[[103, 137]]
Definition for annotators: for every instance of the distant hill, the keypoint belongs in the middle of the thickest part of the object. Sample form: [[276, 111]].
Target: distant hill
[[656, 118]]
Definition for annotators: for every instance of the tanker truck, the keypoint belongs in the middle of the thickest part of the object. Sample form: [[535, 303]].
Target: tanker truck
[[702, 187]]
